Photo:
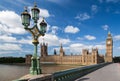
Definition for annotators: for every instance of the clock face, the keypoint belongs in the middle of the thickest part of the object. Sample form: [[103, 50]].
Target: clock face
[[108, 42]]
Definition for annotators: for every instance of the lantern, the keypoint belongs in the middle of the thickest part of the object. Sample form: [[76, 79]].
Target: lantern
[[43, 26], [25, 16], [35, 12]]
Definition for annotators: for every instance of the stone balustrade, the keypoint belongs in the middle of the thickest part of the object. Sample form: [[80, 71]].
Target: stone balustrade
[[72, 74], [41, 77], [66, 75]]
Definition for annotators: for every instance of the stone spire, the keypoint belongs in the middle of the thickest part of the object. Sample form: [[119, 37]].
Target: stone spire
[[55, 53], [109, 35], [61, 50], [44, 49]]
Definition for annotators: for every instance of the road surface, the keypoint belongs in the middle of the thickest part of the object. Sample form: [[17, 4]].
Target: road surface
[[108, 73]]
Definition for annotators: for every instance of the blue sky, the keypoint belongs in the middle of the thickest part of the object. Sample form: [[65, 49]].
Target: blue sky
[[77, 24]]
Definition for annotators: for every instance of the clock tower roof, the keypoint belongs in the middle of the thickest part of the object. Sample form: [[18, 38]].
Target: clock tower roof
[[109, 35]]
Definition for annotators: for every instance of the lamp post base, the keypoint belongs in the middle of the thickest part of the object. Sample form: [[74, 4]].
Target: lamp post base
[[35, 66]]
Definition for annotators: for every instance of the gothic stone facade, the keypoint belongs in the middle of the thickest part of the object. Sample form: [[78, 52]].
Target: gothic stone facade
[[86, 58], [109, 48], [28, 59]]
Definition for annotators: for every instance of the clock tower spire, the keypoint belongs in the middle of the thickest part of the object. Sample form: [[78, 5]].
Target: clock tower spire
[[109, 48]]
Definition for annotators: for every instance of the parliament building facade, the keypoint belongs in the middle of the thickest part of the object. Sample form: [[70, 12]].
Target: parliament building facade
[[86, 58]]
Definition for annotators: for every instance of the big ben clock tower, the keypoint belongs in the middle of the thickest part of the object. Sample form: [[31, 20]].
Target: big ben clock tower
[[109, 48]]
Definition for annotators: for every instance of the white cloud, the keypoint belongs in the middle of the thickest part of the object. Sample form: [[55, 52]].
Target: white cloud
[[44, 13], [89, 37], [10, 39], [71, 29], [77, 47], [5, 38], [8, 47], [11, 45], [53, 40], [48, 27], [94, 9], [25, 41], [83, 17], [54, 29], [117, 37], [100, 47], [105, 27], [6, 52], [118, 47], [10, 23], [64, 41]]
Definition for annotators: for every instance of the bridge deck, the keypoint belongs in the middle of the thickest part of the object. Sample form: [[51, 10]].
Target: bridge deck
[[108, 73]]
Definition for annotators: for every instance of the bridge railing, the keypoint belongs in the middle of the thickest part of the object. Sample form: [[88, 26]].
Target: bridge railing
[[72, 74]]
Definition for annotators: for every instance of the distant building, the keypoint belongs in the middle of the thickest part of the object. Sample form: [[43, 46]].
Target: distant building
[[109, 48], [28, 59], [86, 58], [44, 48]]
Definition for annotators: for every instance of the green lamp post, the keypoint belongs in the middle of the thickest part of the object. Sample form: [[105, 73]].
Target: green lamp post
[[36, 33]]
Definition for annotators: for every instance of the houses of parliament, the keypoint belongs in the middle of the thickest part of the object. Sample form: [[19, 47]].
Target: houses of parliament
[[86, 58]]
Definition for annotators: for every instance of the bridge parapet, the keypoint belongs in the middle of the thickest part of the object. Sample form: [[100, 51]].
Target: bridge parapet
[[41, 77], [66, 75], [72, 74]]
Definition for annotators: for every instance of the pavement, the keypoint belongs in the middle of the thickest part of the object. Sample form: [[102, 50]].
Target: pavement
[[40, 77], [110, 72]]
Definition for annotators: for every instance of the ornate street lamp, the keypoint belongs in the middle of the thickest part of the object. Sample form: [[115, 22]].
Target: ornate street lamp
[[36, 33]]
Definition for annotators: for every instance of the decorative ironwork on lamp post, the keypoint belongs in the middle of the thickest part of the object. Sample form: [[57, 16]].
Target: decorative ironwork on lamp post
[[36, 33]]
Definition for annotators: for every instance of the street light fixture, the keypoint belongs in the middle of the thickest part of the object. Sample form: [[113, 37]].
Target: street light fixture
[[36, 33]]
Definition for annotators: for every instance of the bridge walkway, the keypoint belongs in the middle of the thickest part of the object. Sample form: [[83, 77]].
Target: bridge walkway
[[110, 72]]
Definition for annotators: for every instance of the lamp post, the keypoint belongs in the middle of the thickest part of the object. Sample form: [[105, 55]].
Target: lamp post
[[36, 33]]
